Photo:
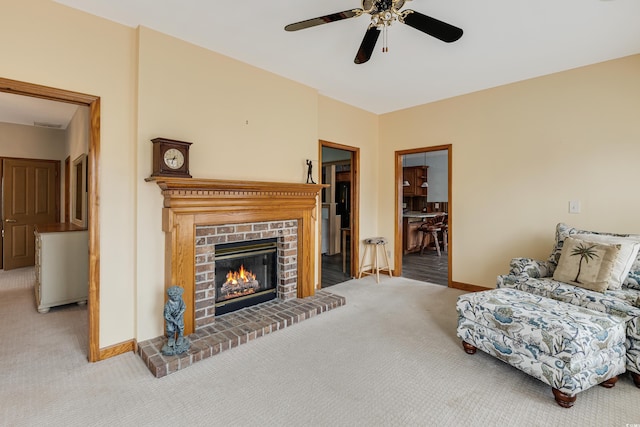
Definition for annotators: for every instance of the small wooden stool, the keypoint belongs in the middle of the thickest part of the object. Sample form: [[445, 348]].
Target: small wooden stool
[[375, 267]]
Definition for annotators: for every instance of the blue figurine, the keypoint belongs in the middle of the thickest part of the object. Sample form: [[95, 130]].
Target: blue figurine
[[174, 326]]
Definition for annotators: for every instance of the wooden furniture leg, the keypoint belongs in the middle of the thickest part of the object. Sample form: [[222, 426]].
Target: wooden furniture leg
[[445, 240], [428, 236], [563, 399], [609, 383], [375, 265], [468, 348], [636, 379], [364, 256], [425, 236], [386, 258], [434, 235]]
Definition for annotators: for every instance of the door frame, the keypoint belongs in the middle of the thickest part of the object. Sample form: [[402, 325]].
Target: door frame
[[355, 207], [397, 247], [67, 189], [93, 102]]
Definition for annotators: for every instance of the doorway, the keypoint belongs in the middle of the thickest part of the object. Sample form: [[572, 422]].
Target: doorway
[[30, 196], [93, 102], [340, 207], [423, 197]]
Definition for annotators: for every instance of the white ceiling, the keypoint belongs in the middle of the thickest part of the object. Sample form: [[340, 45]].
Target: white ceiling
[[504, 41], [25, 110]]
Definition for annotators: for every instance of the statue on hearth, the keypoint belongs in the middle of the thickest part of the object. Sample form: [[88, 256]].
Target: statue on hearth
[[174, 310]]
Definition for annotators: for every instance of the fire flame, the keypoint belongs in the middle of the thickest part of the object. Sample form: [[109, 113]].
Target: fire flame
[[242, 275], [239, 283]]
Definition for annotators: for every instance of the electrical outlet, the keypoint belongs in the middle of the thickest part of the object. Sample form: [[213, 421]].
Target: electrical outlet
[[574, 206]]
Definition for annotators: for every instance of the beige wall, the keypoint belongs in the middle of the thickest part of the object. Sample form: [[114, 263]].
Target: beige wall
[[30, 142], [56, 46], [77, 134], [76, 144], [244, 123], [343, 124], [520, 153]]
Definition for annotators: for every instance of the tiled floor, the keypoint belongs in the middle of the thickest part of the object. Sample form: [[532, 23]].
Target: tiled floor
[[233, 329]]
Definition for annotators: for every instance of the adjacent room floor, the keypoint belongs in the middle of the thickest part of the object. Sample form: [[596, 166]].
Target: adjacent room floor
[[428, 267]]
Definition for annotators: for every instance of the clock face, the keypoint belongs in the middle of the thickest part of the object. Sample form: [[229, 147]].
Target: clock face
[[173, 158]]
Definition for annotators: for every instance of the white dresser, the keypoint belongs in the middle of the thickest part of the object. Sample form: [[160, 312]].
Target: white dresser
[[62, 265]]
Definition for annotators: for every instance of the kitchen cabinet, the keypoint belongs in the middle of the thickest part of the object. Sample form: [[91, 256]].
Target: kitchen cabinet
[[62, 265], [411, 236], [415, 176]]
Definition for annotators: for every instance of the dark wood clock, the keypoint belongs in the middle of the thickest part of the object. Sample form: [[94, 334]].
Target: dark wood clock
[[170, 158]]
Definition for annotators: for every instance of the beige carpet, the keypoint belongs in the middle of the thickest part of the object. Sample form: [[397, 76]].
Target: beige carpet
[[390, 357], [20, 278]]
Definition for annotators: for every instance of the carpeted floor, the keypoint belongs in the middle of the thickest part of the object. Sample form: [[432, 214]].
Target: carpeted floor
[[390, 357]]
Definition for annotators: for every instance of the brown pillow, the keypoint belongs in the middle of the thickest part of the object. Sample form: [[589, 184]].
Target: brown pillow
[[586, 264]]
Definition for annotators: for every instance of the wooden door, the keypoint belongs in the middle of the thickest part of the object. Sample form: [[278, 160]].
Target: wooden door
[[30, 196]]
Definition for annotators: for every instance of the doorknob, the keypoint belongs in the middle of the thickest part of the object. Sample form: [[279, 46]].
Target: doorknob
[[10, 220]]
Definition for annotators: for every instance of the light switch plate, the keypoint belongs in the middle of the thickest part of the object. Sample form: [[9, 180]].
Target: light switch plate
[[574, 206]]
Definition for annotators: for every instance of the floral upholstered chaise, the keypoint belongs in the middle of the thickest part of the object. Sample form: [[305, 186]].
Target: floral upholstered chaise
[[618, 296]]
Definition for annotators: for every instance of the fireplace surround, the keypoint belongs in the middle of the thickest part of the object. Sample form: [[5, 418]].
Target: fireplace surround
[[192, 203], [214, 246]]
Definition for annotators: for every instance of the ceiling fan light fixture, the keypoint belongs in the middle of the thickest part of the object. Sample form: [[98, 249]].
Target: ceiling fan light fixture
[[383, 13]]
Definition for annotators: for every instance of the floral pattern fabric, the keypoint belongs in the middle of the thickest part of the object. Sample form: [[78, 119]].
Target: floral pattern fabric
[[531, 267], [569, 348], [622, 303]]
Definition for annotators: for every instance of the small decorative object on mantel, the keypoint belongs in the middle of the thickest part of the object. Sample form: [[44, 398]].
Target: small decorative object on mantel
[[170, 158], [310, 172], [174, 310]]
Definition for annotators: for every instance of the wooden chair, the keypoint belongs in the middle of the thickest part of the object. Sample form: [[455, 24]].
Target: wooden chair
[[431, 229]]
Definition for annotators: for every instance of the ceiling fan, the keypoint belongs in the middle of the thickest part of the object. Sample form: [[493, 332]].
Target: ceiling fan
[[383, 14]]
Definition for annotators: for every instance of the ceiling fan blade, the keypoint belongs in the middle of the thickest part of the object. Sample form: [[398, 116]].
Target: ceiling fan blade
[[367, 45], [338, 16], [438, 29]]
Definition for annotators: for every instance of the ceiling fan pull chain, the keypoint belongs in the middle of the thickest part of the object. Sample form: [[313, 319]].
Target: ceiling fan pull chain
[[385, 47]]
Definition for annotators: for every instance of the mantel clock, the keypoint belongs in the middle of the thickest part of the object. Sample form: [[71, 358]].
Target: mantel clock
[[170, 158]]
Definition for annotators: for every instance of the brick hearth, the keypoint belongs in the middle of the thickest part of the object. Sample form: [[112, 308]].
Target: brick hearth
[[233, 329]]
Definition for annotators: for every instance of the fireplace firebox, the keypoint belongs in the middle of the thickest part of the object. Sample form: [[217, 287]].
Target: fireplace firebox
[[245, 274]]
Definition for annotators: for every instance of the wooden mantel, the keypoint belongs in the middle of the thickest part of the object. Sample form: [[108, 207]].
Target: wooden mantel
[[190, 202]]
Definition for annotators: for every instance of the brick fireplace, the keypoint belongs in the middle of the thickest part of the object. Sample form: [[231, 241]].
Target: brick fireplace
[[231, 210], [201, 216]]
